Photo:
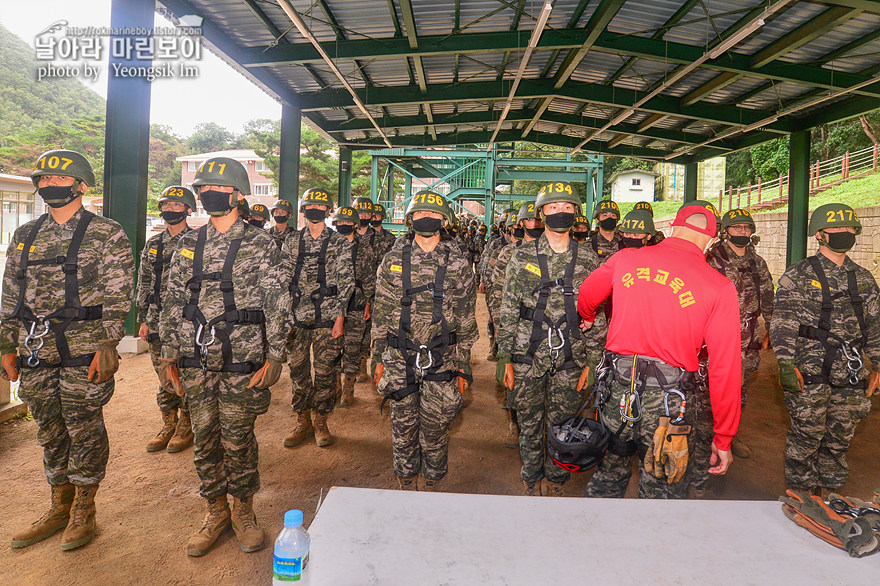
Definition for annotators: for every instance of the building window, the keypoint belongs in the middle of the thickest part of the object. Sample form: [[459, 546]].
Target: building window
[[265, 189], [261, 166], [192, 166], [637, 182], [16, 208]]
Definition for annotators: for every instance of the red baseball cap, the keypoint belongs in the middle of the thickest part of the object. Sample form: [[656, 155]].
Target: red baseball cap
[[702, 208]]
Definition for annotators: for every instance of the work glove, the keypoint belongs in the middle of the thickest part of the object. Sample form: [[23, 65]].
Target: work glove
[[169, 376], [873, 384], [674, 454], [10, 368], [810, 512], [268, 374], [790, 377], [501, 367], [464, 382], [654, 455], [588, 376], [765, 343], [508, 376], [868, 509], [378, 372], [105, 363]]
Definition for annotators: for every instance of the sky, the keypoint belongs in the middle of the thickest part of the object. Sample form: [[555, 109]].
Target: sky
[[218, 94]]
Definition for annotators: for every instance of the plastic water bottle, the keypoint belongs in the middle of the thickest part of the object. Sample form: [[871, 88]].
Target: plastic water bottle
[[292, 552]]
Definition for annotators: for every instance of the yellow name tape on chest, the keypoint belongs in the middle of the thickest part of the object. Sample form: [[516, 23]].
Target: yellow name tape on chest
[[816, 284], [154, 251], [187, 253], [21, 246], [395, 269], [533, 269]]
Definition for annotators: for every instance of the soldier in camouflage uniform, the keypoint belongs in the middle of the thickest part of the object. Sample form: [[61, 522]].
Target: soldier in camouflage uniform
[[636, 229], [423, 331], [581, 229], [825, 320], [384, 238], [66, 292], [606, 240], [493, 245], [736, 258], [356, 340], [282, 211], [223, 326], [546, 383], [175, 204], [364, 207], [320, 276], [658, 236], [259, 216]]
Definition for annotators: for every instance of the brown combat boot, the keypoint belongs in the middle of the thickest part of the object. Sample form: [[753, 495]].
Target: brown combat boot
[[511, 440], [554, 488], [739, 448], [431, 485], [183, 436], [81, 527], [322, 433], [215, 522], [362, 376], [532, 488], [244, 523], [407, 483], [169, 425], [347, 391], [302, 430], [52, 521]]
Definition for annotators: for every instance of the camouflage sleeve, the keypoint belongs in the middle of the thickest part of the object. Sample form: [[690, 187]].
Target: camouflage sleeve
[[872, 320], [466, 311], [117, 283], [787, 316], [275, 301], [713, 260], [145, 284], [9, 327], [767, 293], [173, 301], [386, 306], [344, 271], [511, 298], [369, 281]]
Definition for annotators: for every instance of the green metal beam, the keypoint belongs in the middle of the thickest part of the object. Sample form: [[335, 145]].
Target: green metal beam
[[813, 28], [604, 14], [690, 181], [798, 197]]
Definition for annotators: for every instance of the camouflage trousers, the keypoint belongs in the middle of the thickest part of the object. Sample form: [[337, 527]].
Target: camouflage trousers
[[823, 422], [166, 400], [612, 476], [70, 419], [702, 433], [751, 360], [420, 429], [223, 412], [320, 396], [356, 341], [537, 401]]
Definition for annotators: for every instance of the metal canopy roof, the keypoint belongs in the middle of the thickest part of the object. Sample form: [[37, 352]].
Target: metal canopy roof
[[681, 81]]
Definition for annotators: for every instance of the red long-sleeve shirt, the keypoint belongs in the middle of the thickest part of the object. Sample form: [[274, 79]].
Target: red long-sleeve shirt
[[667, 301]]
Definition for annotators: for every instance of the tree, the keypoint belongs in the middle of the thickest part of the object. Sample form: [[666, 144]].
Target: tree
[[164, 170], [209, 137]]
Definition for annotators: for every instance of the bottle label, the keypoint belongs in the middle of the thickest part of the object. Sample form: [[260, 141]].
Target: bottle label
[[290, 569]]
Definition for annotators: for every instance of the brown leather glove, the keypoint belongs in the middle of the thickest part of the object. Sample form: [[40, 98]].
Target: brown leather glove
[[105, 363], [169, 376], [674, 455], [380, 370], [10, 368], [653, 456], [765, 343], [268, 374], [584, 380], [873, 384], [508, 376]]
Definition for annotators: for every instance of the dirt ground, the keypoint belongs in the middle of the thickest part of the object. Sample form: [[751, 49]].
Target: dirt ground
[[148, 505]]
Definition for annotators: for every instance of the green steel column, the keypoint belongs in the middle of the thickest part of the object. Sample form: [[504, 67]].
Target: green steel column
[[490, 186], [798, 197], [344, 176], [591, 195], [389, 194], [600, 182], [374, 179], [288, 164], [127, 136], [690, 182]]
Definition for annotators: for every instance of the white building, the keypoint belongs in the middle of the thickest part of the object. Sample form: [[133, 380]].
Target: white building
[[633, 185]]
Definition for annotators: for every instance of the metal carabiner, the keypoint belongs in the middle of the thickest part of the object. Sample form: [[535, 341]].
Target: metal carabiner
[[34, 359], [681, 407], [559, 334], [854, 362], [630, 407], [204, 345], [419, 368]]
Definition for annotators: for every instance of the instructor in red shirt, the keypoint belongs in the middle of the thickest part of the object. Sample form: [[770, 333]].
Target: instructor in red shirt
[[668, 302]]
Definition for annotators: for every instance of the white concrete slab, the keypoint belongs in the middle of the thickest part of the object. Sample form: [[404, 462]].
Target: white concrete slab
[[363, 536], [132, 345]]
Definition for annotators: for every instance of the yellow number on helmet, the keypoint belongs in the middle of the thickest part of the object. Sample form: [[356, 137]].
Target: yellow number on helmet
[[831, 216], [66, 163]]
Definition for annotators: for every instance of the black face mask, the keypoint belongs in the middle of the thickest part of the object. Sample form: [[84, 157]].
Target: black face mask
[[281, 219], [58, 196], [839, 241], [216, 203], [375, 223], [518, 233], [741, 241], [560, 222], [580, 235], [173, 218], [608, 224], [314, 215], [534, 232], [257, 222], [364, 222], [345, 229], [633, 242], [427, 226]]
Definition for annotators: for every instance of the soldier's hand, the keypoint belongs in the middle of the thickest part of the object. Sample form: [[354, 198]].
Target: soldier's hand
[[105, 363], [368, 312], [873, 384], [508, 376], [268, 374], [143, 332], [10, 368], [380, 371], [790, 377], [765, 343], [482, 287], [720, 461], [338, 328]]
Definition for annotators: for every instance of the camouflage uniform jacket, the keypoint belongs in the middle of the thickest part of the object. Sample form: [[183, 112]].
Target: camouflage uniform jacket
[[799, 302], [280, 236], [106, 266], [754, 286], [338, 271], [490, 252], [605, 248], [257, 285], [459, 304], [384, 242], [496, 271], [147, 307], [521, 283], [364, 263]]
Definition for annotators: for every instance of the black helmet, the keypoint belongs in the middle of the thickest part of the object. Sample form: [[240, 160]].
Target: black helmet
[[578, 443]]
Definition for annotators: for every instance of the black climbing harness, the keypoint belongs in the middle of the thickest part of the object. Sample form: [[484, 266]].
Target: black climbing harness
[[317, 296]]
